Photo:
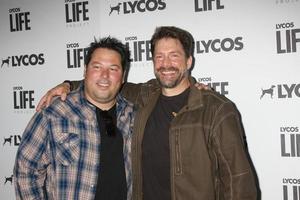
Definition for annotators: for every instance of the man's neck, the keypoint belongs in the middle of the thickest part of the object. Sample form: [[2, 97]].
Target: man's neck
[[106, 106], [103, 106]]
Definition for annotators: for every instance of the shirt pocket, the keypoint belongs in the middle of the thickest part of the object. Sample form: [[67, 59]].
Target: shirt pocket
[[67, 144]]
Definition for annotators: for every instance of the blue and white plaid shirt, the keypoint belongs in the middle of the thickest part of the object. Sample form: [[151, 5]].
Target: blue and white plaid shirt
[[58, 157]]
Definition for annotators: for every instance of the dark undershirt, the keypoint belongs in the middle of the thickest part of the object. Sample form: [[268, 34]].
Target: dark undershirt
[[111, 178], [155, 147]]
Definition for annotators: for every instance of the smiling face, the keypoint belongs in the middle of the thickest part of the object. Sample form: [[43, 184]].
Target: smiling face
[[171, 66], [103, 78]]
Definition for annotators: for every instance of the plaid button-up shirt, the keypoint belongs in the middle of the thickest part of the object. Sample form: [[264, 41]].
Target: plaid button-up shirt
[[58, 157]]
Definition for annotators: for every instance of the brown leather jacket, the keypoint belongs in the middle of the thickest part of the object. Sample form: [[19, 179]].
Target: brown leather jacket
[[207, 153]]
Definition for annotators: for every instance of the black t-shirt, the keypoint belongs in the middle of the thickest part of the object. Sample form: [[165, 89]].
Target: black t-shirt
[[155, 147], [111, 178]]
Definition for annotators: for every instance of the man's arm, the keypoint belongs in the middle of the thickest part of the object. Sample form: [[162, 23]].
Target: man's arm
[[61, 90], [236, 176], [32, 161], [131, 91]]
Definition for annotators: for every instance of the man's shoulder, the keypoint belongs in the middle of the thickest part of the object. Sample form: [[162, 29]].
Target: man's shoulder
[[219, 103], [58, 106], [152, 83], [215, 96], [209, 98], [124, 101]]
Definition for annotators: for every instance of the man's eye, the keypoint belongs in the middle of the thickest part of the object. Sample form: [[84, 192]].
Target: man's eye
[[158, 57]]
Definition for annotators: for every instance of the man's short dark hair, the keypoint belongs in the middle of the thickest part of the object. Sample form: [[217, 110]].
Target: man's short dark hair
[[112, 44], [185, 38]]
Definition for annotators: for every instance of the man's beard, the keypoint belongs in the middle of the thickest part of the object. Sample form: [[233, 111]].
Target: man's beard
[[171, 83]]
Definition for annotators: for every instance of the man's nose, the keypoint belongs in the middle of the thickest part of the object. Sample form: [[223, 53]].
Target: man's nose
[[166, 61], [104, 73]]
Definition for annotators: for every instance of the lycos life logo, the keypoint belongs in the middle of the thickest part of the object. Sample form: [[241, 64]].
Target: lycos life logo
[[12, 140], [281, 91], [208, 5], [219, 45], [19, 21], [287, 38], [129, 7], [75, 55], [76, 13], [23, 60], [140, 49], [23, 99], [290, 141], [221, 87], [291, 188]]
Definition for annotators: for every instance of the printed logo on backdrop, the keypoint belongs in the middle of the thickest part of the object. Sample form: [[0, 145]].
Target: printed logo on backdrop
[[290, 141], [23, 100], [291, 188], [208, 5], [75, 55], [8, 180], [25, 60], [12, 140], [280, 91], [140, 51], [77, 13], [137, 6], [19, 20], [286, 1], [221, 87], [287, 38], [219, 45]]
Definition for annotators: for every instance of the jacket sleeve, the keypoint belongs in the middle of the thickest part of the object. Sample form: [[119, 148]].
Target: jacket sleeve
[[139, 93], [236, 179], [31, 160], [131, 91], [75, 84]]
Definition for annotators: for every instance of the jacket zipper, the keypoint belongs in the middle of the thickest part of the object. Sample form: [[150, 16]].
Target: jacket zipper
[[178, 170]]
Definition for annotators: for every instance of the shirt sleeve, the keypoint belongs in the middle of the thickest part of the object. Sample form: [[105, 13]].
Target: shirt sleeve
[[32, 160]]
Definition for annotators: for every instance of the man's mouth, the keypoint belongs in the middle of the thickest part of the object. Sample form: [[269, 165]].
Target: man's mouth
[[104, 83], [168, 72]]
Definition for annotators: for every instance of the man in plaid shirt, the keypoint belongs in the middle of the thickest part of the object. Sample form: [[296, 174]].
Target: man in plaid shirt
[[81, 148]]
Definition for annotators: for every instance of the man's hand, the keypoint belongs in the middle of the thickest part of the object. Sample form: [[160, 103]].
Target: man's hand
[[60, 90], [202, 86]]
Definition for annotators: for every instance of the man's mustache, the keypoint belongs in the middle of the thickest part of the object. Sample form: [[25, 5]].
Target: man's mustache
[[165, 69]]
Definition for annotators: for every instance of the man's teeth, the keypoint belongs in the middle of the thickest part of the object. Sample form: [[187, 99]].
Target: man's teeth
[[103, 84], [168, 72]]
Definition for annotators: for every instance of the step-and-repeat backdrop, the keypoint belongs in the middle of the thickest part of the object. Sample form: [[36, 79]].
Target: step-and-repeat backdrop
[[246, 50]]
